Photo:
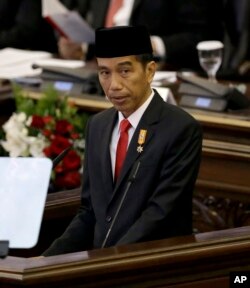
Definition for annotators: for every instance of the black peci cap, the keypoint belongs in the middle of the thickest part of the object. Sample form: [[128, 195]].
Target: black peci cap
[[122, 41]]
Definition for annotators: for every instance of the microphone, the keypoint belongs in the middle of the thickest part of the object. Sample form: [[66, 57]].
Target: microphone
[[131, 179], [60, 157]]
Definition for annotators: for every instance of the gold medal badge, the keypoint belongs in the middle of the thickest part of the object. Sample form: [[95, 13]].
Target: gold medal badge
[[141, 140]]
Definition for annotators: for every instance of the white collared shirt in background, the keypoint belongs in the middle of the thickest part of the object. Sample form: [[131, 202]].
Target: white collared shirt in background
[[123, 14]]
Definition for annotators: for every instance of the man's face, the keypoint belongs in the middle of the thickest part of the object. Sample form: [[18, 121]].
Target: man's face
[[125, 81]]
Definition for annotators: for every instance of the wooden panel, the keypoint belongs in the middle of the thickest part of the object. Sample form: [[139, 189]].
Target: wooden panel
[[222, 192], [225, 127], [86, 102], [204, 259], [225, 162]]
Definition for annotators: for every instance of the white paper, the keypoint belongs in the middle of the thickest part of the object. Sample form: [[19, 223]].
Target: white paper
[[10, 56], [70, 23], [60, 63], [18, 63], [52, 7], [169, 76], [19, 70], [74, 27]]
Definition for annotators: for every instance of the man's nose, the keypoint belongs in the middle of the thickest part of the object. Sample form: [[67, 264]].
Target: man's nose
[[115, 83]]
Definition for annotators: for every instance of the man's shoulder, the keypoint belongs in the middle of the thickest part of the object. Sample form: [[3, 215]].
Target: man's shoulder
[[170, 111], [178, 117], [104, 115]]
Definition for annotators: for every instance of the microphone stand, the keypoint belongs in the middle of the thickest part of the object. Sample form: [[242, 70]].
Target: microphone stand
[[131, 179], [60, 157]]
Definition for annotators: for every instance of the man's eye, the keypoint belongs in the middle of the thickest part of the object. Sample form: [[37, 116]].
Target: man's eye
[[104, 73], [124, 71]]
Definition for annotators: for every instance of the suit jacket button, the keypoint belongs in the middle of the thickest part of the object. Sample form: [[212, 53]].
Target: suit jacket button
[[108, 218]]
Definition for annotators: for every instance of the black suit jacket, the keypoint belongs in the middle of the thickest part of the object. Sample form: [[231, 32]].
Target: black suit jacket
[[159, 202], [181, 24]]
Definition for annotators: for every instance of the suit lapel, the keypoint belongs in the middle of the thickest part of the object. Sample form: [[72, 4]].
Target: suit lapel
[[105, 153]]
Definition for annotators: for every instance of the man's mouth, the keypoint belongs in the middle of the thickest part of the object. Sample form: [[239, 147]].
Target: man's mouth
[[118, 99]]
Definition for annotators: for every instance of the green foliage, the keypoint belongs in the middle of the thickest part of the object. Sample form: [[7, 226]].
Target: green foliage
[[23, 103], [50, 104]]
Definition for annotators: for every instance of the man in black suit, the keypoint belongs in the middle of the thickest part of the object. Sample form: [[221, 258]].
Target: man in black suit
[[236, 63], [179, 26], [163, 154], [22, 26]]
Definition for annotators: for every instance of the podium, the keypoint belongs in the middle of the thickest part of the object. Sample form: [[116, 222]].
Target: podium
[[202, 260]]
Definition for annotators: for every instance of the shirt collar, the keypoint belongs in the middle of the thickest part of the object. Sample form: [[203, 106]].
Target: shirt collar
[[135, 117]]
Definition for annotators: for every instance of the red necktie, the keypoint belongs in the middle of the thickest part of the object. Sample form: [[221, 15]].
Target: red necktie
[[121, 146], [114, 6]]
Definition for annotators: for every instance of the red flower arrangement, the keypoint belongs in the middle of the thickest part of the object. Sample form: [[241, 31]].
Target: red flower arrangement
[[61, 135], [49, 126]]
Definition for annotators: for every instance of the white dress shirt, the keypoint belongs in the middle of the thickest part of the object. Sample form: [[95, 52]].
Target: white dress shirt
[[134, 120]]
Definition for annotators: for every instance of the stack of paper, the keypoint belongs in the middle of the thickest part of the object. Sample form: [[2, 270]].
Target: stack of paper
[[60, 63], [18, 63], [15, 63]]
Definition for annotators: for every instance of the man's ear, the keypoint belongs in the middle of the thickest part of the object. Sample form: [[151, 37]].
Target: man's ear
[[150, 70]]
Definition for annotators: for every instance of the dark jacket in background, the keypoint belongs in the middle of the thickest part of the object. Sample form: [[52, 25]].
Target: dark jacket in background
[[22, 26], [237, 41]]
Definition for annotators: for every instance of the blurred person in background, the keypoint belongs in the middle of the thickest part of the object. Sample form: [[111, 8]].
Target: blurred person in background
[[175, 27], [236, 62], [22, 26]]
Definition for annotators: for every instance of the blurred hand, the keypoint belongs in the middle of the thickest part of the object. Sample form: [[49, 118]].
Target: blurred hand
[[245, 68], [70, 50]]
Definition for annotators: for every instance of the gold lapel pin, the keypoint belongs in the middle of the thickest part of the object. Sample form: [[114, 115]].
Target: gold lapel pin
[[141, 140]]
